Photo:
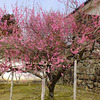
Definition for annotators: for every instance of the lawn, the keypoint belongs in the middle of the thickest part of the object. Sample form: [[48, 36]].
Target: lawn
[[33, 92]]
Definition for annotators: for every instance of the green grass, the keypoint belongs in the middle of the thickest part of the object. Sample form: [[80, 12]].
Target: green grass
[[33, 92]]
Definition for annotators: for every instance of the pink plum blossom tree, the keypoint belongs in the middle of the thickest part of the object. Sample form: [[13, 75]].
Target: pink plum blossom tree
[[48, 41]]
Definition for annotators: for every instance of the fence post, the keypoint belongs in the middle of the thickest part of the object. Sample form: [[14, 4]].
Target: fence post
[[75, 80], [11, 90], [43, 86]]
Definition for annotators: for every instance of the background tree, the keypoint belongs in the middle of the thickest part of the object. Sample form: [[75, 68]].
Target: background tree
[[8, 27]]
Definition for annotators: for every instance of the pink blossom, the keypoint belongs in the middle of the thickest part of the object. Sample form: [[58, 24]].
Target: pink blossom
[[62, 74]]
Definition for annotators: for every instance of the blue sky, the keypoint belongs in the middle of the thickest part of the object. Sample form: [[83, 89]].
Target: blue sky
[[46, 4]]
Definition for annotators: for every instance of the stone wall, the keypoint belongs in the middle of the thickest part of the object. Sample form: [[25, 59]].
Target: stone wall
[[88, 75]]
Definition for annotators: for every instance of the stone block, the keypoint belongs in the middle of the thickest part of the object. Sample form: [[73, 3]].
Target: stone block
[[92, 77], [90, 85], [86, 77], [79, 82], [89, 82], [98, 78], [98, 85], [97, 71]]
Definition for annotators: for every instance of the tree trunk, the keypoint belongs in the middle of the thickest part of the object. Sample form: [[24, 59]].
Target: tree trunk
[[51, 92]]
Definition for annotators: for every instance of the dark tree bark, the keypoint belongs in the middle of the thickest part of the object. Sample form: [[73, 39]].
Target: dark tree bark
[[51, 91], [51, 85]]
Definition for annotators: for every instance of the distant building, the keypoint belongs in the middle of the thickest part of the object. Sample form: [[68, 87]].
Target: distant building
[[91, 7], [18, 76], [88, 14]]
